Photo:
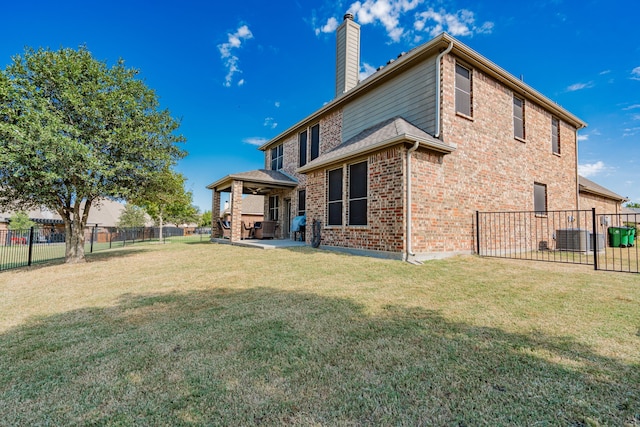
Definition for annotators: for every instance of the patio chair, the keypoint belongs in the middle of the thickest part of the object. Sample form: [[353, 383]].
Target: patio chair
[[247, 230], [264, 230], [224, 229]]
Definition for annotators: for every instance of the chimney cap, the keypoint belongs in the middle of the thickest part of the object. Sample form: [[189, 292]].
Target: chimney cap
[[348, 16]]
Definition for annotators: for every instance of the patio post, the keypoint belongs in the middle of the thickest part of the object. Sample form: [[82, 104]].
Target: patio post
[[236, 211], [215, 212]]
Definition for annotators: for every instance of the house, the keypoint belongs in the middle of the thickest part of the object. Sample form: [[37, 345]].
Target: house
[[397, 164], [594, 195]]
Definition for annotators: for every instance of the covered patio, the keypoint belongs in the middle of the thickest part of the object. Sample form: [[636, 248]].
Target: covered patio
[[259, 181]]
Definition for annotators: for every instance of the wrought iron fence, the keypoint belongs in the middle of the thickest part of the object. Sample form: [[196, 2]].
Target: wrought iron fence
[[606, 241], [21, 248]]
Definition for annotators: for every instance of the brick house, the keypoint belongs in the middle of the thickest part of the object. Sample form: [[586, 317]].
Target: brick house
[[397, 164], [593, 195]]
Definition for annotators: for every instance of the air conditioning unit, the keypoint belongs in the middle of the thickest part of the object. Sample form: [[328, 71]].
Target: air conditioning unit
[[577, 240]]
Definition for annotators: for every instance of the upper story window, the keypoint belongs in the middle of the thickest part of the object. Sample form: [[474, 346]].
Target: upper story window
[[539, 198], [302, 142], [518, 117], [334, 215], [276, 158], [463, 91], [555, 135], [315, 141], [358, 193]]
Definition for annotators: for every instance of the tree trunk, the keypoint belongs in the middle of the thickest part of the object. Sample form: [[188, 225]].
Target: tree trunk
[[161, 225], [74, 242]]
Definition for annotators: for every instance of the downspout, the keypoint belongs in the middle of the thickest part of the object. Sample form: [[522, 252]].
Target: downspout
[[577, 176], [438, 107], [410, 253]]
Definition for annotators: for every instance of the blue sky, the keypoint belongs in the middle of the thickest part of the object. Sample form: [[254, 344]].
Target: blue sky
[[238, 73]]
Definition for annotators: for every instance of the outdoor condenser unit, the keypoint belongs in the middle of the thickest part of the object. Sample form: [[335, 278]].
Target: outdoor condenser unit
[[577, 240]]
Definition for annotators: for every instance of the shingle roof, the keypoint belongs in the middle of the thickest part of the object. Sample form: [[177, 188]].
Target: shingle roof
[[588, 186], [268, 178], [386, 133]]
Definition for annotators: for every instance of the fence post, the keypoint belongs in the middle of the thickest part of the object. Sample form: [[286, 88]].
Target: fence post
[[477, 233], [595, 238], [93, 232], [30, 246]]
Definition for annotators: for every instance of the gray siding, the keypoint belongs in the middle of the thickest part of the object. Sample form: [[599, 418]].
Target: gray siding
[[347, 56], [410, 95]]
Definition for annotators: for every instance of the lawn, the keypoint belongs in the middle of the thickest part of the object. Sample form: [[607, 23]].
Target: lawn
[[206, 334]]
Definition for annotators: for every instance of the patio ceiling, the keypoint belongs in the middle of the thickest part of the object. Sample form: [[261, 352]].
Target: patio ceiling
[[259, 181]]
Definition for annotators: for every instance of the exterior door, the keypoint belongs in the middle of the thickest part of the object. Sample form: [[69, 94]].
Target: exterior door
[[286, 226]]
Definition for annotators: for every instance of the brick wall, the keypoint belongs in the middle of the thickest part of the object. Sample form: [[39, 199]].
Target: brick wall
[[603, 205]]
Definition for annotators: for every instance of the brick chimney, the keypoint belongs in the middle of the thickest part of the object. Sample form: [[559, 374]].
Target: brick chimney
[[347, 55]]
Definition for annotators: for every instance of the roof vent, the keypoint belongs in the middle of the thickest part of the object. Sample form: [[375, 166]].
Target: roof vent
[[390, 61], [401, 54]]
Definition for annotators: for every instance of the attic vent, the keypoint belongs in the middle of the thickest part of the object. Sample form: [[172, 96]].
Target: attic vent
[[380, 68], [401, 54], [390, 61]]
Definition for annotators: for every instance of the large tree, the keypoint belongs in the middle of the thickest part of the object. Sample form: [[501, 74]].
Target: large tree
[[74, 130], [166, 200]]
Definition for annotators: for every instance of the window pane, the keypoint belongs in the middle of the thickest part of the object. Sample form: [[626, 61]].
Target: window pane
[[303, 148], [518, 120], [463, 90], [463, 78], [463, 103], [540, 198], [302, 202], [335, 184], [335, 213], [358, 212], [358, 180], [555, 140], [315, 141]]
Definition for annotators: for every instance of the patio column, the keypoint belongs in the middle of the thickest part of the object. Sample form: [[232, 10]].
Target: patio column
[[236, 211], [215, 211]]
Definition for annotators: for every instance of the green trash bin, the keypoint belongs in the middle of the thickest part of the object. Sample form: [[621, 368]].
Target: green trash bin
[[624, 236], [614, 237], [632, 236]]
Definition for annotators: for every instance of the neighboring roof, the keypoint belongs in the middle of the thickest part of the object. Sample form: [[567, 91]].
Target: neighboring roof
[[384, 134], [588, 186], [429, 49], [106, 214], [626, 210], [252, 204], [255, 181]]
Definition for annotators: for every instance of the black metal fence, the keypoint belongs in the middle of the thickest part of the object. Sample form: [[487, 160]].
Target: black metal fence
[[606, 241], [21, 248]]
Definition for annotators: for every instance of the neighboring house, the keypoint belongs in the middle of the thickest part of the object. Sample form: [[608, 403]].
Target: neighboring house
[[105, 215], [252, 209], [593, 195], [397, 164]]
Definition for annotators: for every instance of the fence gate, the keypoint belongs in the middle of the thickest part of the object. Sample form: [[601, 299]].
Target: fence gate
[[606, 241]]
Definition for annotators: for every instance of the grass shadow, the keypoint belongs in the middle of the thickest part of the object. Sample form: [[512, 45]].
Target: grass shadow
[[265, 356]]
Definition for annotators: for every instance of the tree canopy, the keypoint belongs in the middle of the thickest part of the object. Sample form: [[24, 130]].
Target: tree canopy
[[20, 221], [131, 216], [74, 130]]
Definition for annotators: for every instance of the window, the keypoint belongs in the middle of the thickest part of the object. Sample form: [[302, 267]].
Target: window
[[302, 202], [539, 198], [463, 90], [276, 158], [302, 141], [315, 141], [358, 194], [555, 135], [518, 117], [273, 208], [335, 197]]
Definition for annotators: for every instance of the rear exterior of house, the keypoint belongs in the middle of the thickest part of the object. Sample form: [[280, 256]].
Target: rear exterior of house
[[397, 165]]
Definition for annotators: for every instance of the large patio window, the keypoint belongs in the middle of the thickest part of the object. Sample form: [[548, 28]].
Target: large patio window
[[358, 194], [334, 198], [273, 208], [276, 158], [302, 202]]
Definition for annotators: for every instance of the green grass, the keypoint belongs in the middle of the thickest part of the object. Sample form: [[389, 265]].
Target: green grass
[[219, 335]]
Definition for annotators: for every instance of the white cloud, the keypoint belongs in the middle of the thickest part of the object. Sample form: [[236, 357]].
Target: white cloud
[[631, 107], [329, 27], [390, 13], [602, 73], [591, 169], [366, 71], [583, 137], [460, 23], [230, 60], [277, 104], [635, 73], [255, 140], [630, 131], [270, 122], [579, 86]]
